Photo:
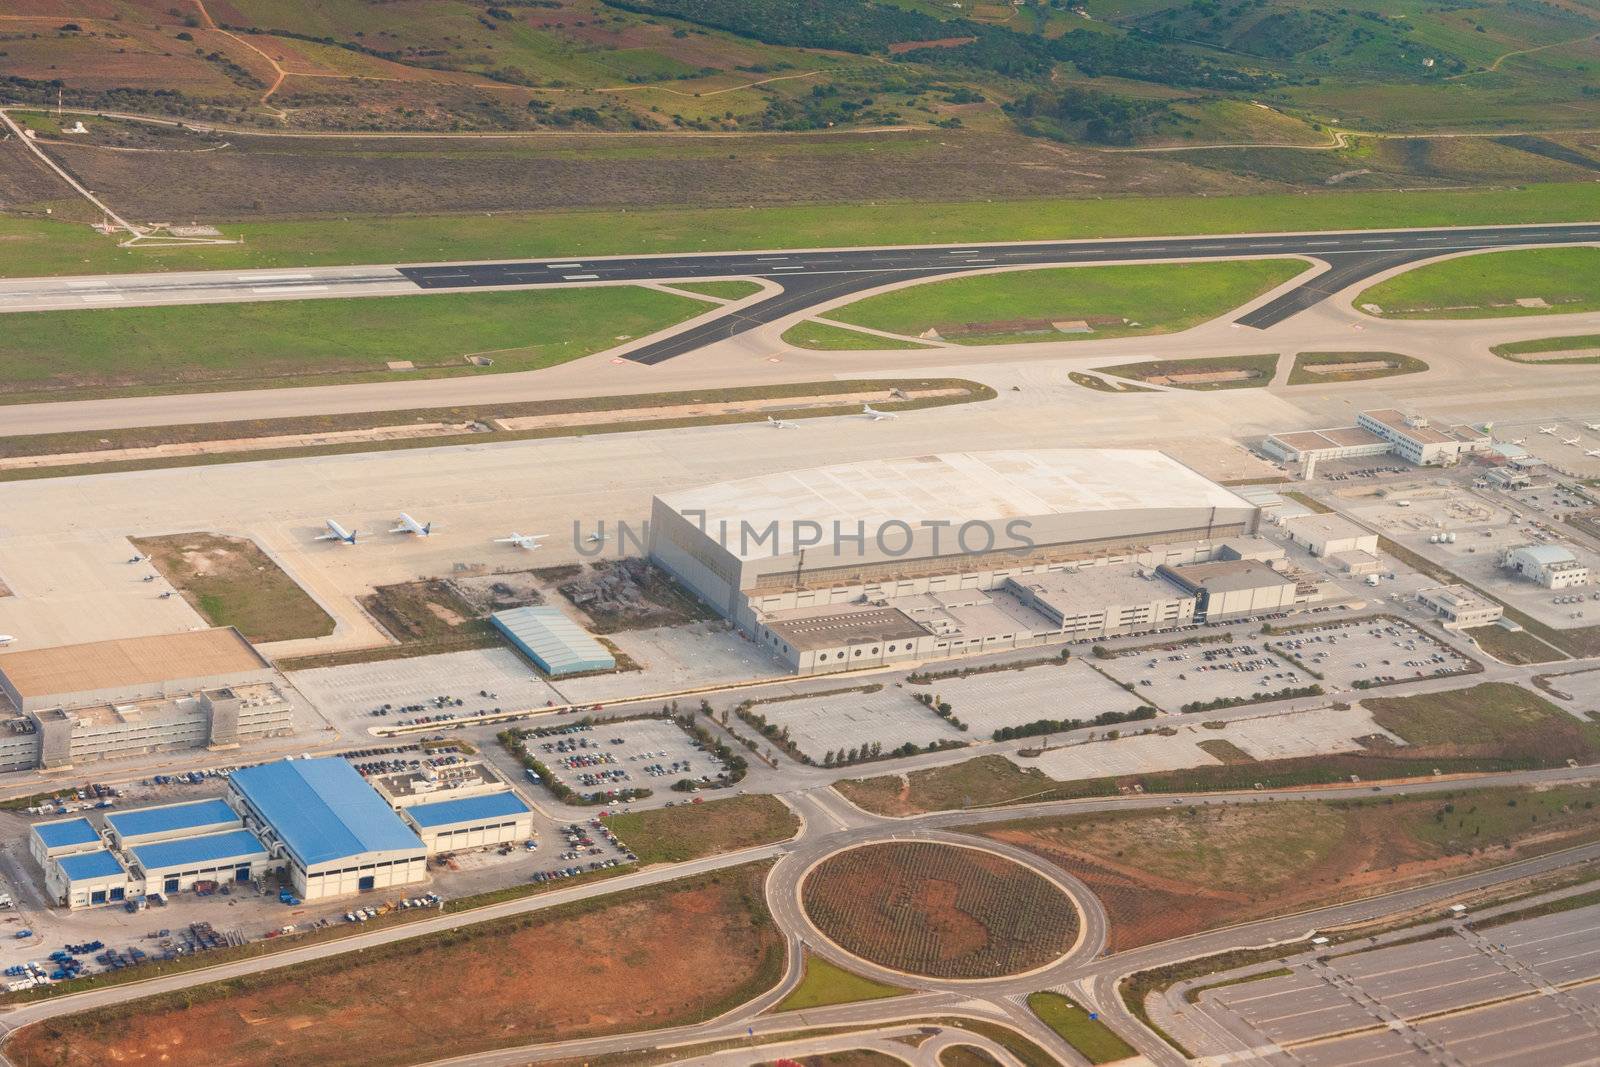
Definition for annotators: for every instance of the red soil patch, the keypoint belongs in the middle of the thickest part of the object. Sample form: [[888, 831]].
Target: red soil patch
[[939, 910], [943, 42], [648, 959]]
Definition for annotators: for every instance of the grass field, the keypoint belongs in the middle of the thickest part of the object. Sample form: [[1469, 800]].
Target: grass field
[[1014, 307], [1493, 717], [689, 831], [662, 956], [231, 582], [37, 247], [1215, 372], [1348, 367], [939, 910], [825, 983], [1093, 1039], [1513, 646], [280, 343], [1584, 348], [729, 290], [1489, 285], [826, 337], [1103, 385]]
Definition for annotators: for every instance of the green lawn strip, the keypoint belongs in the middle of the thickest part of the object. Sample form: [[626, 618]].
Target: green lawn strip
[[726, 290], [233, 583], [1585, 349], [251, 345], [41, 247], [1093, 1039], [1300, 374], [1192, 994], [690, 831], [1488, 285], [826, 337], [1137, 298], [1260, 368], [1101, 385], [1549, 907], [1513, 646], [826, 983]]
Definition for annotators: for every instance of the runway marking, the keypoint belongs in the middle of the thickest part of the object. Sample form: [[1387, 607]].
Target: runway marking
[[580, 277], [562, 266], [103, 298], [797, 267], [771, 259], [978, 261], [273, 277], [292, 289]]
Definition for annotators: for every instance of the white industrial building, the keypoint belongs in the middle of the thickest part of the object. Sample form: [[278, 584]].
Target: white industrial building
[[62, 837], [85, 879], [1240, 588], [1551, 566], [1329, 535], [921, 557], [176, 865], [471, 822], [1410, 437], [1458, 607]]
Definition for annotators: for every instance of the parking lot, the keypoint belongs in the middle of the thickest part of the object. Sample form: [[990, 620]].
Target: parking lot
[[1055, 690], [1370, 651], [629, 754], [350, 696], [839, 721], [1242, 670]]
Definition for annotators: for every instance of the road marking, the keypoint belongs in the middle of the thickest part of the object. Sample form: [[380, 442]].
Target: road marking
[[771, 259], [562, 266], [1320, 244], [273, 277], [102, 298], [292, 289], [961, 252], [979, 261], [796, 267], [580, 277]]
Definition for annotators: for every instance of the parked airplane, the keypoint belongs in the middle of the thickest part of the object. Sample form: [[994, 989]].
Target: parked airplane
[[1549, 429], [338, 533], [1593, 452], [1591, 426], [1519, 440], [874, 414], [1571, 442], [6, 639], [406, 524], [528, 541], [595, 539], [780, 424]]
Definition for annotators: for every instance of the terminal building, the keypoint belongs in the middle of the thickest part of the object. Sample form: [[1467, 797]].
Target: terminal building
[[929, 556], [1412, 438], [74, 704]]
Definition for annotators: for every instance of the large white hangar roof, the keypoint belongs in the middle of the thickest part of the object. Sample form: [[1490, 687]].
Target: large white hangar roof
[[955, 487]]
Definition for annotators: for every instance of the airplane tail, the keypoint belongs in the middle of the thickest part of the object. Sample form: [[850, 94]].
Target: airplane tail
[[352, 538], [427, 529]]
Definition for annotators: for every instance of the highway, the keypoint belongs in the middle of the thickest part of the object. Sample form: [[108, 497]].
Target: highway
[[808, 277]]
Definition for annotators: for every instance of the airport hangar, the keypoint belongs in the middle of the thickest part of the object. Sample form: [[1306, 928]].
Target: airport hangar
[[924, 557]]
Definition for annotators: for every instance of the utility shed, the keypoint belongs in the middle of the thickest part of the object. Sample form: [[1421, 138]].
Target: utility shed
[[471, 822], [139, 826], [232, 856], [339, 835], [86, 879], [62, 838], [555, 643]]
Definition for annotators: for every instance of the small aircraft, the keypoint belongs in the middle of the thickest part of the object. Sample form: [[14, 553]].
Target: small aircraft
[[1592, 452], [1571, 442], [1520, 441], [874, 414], [405, 524], [337, 533], [1591, 426], [527, 541], [6, 639], [1549, 429], [780, 424], [595, 539]]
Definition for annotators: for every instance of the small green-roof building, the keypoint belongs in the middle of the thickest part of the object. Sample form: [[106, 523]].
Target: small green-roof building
[[555, 643]]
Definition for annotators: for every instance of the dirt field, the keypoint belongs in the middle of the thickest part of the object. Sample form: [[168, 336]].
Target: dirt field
[[939, 910], [632, 594], [231, 582], [1166, 874], [645, 959]]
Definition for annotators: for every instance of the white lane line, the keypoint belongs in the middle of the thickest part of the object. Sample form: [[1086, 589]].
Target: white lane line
[[290, 289], [962, 252], [562, 266], [796, 267], [102, 298], [771, 259], [273, 278], [580, 277], [1320, 244], [978, 261]]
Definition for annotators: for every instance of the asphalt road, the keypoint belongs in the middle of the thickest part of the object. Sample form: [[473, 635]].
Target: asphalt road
[[808, 277]]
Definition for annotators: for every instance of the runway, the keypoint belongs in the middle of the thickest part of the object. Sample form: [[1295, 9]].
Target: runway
[[808, 278]]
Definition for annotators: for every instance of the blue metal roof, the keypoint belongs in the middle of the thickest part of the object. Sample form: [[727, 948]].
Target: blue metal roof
[[66, 832], [323, 810], [171, 817], [467, 810], [553, 641], [91, 865], [215, 849]]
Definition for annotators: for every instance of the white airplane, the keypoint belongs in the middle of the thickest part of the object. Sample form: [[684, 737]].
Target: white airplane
[[6, 639], [874, 414], [595, 539], [1591, 426], [1570, 442], [1592, 452], [338, 533], [780, 424], [1519, 440], [527, 541], [1549, 429], [407, 525]]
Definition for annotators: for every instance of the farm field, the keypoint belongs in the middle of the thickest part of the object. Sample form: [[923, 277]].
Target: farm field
[[826, 337], [286, 343], [1329, 368], [231, 582], [1584, 348], [1531, 281], [642, 959], [939, 910], [1216, 372], [37, 247], [689, 831], [1164, 874], [1013, 307]]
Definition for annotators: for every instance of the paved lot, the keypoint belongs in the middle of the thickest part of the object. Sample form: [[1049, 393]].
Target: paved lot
[[348, 695], [636, 754], [674, 658], [1503, 995], [1070, 690], [1243, 669], [889, 717], [1367, 649]]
